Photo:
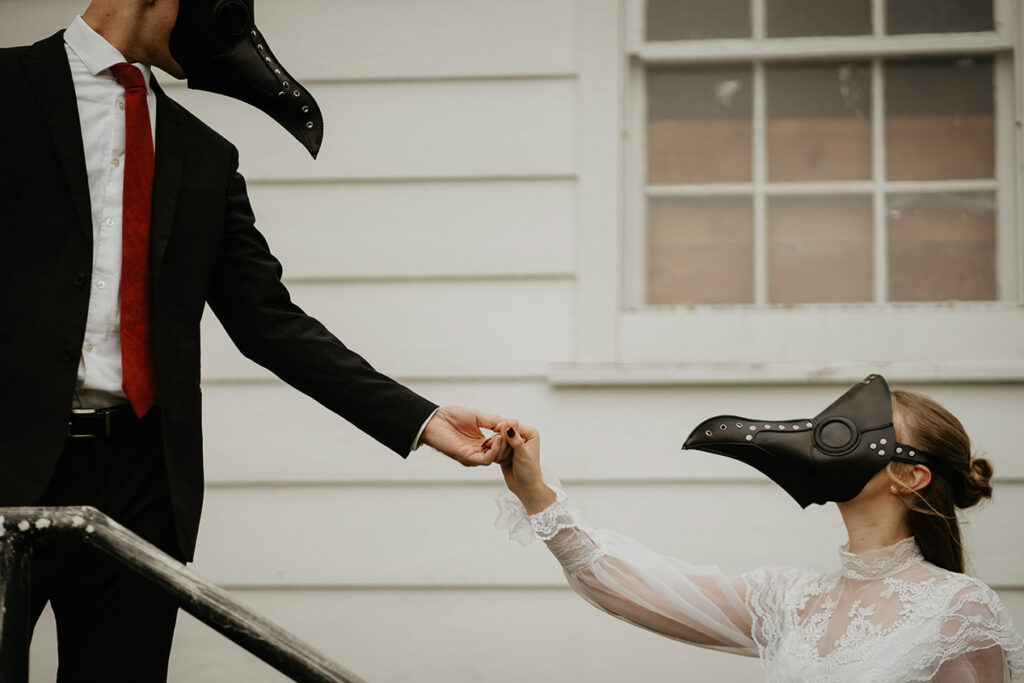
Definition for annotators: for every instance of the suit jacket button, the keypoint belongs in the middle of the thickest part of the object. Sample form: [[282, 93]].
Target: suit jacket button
[[67, 354], [79, 279]]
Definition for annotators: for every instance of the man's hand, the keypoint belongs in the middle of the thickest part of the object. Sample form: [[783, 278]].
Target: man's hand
[[455, 431]]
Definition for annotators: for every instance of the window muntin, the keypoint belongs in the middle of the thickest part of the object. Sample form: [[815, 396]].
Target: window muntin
[[812, 159]]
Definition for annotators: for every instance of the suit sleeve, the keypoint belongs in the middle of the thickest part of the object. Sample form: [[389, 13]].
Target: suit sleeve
[[256, 310]]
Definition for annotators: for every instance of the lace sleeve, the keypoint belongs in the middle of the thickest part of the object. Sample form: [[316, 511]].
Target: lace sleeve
[[977, 640], [558, 525], [697, 605]]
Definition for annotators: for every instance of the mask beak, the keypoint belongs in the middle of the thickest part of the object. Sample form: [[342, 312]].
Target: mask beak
[[829, 457], [780, 455], [218, 46]]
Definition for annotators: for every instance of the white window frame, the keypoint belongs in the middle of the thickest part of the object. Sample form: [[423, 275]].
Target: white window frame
[[621, 341]]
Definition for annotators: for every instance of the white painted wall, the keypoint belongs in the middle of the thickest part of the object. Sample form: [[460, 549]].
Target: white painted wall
[[462, 183]]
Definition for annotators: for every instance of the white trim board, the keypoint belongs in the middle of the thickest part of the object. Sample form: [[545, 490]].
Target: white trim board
[[781, 373]]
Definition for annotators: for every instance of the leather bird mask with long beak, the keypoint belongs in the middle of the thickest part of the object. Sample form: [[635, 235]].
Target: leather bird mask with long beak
[[825, 458], [218, 46]]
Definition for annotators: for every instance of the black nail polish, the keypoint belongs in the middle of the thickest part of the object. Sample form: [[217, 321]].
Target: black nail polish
[[511, 433]]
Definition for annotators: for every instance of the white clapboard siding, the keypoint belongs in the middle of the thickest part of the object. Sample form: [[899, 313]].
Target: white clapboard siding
[[495, 635], [410, 39], [399, 230], [356, 39], [471, 128], [460, 637], [429, 328], [467, 637], [268, 432], [442, 534], [23, 22], [852, 333]]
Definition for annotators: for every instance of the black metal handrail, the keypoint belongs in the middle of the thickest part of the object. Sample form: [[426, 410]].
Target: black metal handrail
[[22, 527]]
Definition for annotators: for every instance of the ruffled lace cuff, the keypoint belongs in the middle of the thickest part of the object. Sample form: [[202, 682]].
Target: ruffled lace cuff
[[575, 549], [545, 524]]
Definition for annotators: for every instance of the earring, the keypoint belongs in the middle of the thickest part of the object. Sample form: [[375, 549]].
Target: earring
[[893, 489]]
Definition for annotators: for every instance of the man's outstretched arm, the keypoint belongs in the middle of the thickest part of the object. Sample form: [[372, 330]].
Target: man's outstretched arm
[[256, 310]]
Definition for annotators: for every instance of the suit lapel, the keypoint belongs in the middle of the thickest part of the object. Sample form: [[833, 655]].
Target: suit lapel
[[47, 69], [170, 144]]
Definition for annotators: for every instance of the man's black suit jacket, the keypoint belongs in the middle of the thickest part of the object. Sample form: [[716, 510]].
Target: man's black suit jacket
[[205, 249]]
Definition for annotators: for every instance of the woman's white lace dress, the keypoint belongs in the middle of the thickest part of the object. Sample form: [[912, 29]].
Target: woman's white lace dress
[[885, 616]]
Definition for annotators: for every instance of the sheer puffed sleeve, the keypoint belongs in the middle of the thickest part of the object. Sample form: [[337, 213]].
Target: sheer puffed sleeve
[[697, 605], [977, 641]]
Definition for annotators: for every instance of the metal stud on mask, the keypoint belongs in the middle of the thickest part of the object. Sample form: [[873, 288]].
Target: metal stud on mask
[[826, 458], [217, 44]]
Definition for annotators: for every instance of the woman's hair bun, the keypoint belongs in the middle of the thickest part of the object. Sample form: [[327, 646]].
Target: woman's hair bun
[[976, 484]]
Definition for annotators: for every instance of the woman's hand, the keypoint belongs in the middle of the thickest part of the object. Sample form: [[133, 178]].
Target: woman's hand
[[522, 470]]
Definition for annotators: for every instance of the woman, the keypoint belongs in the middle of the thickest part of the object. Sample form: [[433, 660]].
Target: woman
[[899, 609]]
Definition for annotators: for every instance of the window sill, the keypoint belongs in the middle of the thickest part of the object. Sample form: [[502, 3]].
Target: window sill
[[782, 373]]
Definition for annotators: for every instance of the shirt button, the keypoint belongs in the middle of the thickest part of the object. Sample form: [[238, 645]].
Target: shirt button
[[79, 279], [88, 347], [110, 221], [100, 284], [116, 162], [120, 104]]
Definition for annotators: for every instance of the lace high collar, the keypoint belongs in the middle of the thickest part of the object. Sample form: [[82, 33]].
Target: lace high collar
[[877, 564]]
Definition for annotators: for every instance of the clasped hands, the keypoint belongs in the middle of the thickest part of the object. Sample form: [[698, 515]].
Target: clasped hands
[[456, 432]]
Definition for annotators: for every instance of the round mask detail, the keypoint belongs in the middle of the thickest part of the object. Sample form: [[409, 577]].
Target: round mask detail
[[836, 436]]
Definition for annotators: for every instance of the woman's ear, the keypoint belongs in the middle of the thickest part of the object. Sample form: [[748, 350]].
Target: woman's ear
[[918, 477]]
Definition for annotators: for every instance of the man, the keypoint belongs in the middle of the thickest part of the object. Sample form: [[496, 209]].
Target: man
[[121, 217]]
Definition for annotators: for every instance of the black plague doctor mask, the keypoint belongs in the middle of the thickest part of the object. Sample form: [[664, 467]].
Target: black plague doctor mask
[[217, 44], [829, 457]]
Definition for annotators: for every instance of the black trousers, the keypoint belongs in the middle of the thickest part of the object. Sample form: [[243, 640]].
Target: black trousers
[[112, 625]]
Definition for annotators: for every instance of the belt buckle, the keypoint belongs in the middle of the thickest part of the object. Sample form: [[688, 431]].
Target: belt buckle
[[90, 411]]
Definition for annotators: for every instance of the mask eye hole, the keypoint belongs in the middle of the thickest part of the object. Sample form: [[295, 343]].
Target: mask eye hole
[[836, 436], [231, 20]]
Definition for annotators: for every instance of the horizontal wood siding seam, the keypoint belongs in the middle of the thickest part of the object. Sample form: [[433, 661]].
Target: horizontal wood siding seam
[[443, 588], [367, 484]]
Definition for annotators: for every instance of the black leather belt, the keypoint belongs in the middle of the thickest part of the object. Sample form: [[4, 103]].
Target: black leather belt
[[104, 422]]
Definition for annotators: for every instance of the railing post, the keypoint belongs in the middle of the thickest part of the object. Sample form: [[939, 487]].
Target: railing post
[[15, 635]]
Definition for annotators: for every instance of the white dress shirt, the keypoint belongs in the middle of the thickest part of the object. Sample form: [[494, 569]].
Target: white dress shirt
[[101, 112]]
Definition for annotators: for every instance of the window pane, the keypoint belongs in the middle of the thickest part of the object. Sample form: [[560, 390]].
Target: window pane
[[818, 18], [698, 125], [700, 251], [938, 16], [942, 247], [939, 119], [819, 122], [819, 249], [689, 19]]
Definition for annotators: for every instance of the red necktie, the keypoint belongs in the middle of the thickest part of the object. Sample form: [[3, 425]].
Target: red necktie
[[138, 352]]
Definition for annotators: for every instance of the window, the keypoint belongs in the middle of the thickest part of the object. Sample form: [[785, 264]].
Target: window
[[777, 170], [813, 184]]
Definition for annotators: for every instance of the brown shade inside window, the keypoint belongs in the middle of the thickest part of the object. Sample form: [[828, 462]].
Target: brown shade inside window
[[695, 19], [939, 119], [818, 17], [700, 251], [698, 125], [938, 16], [819, 249], [942, 247], [819, 125]]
